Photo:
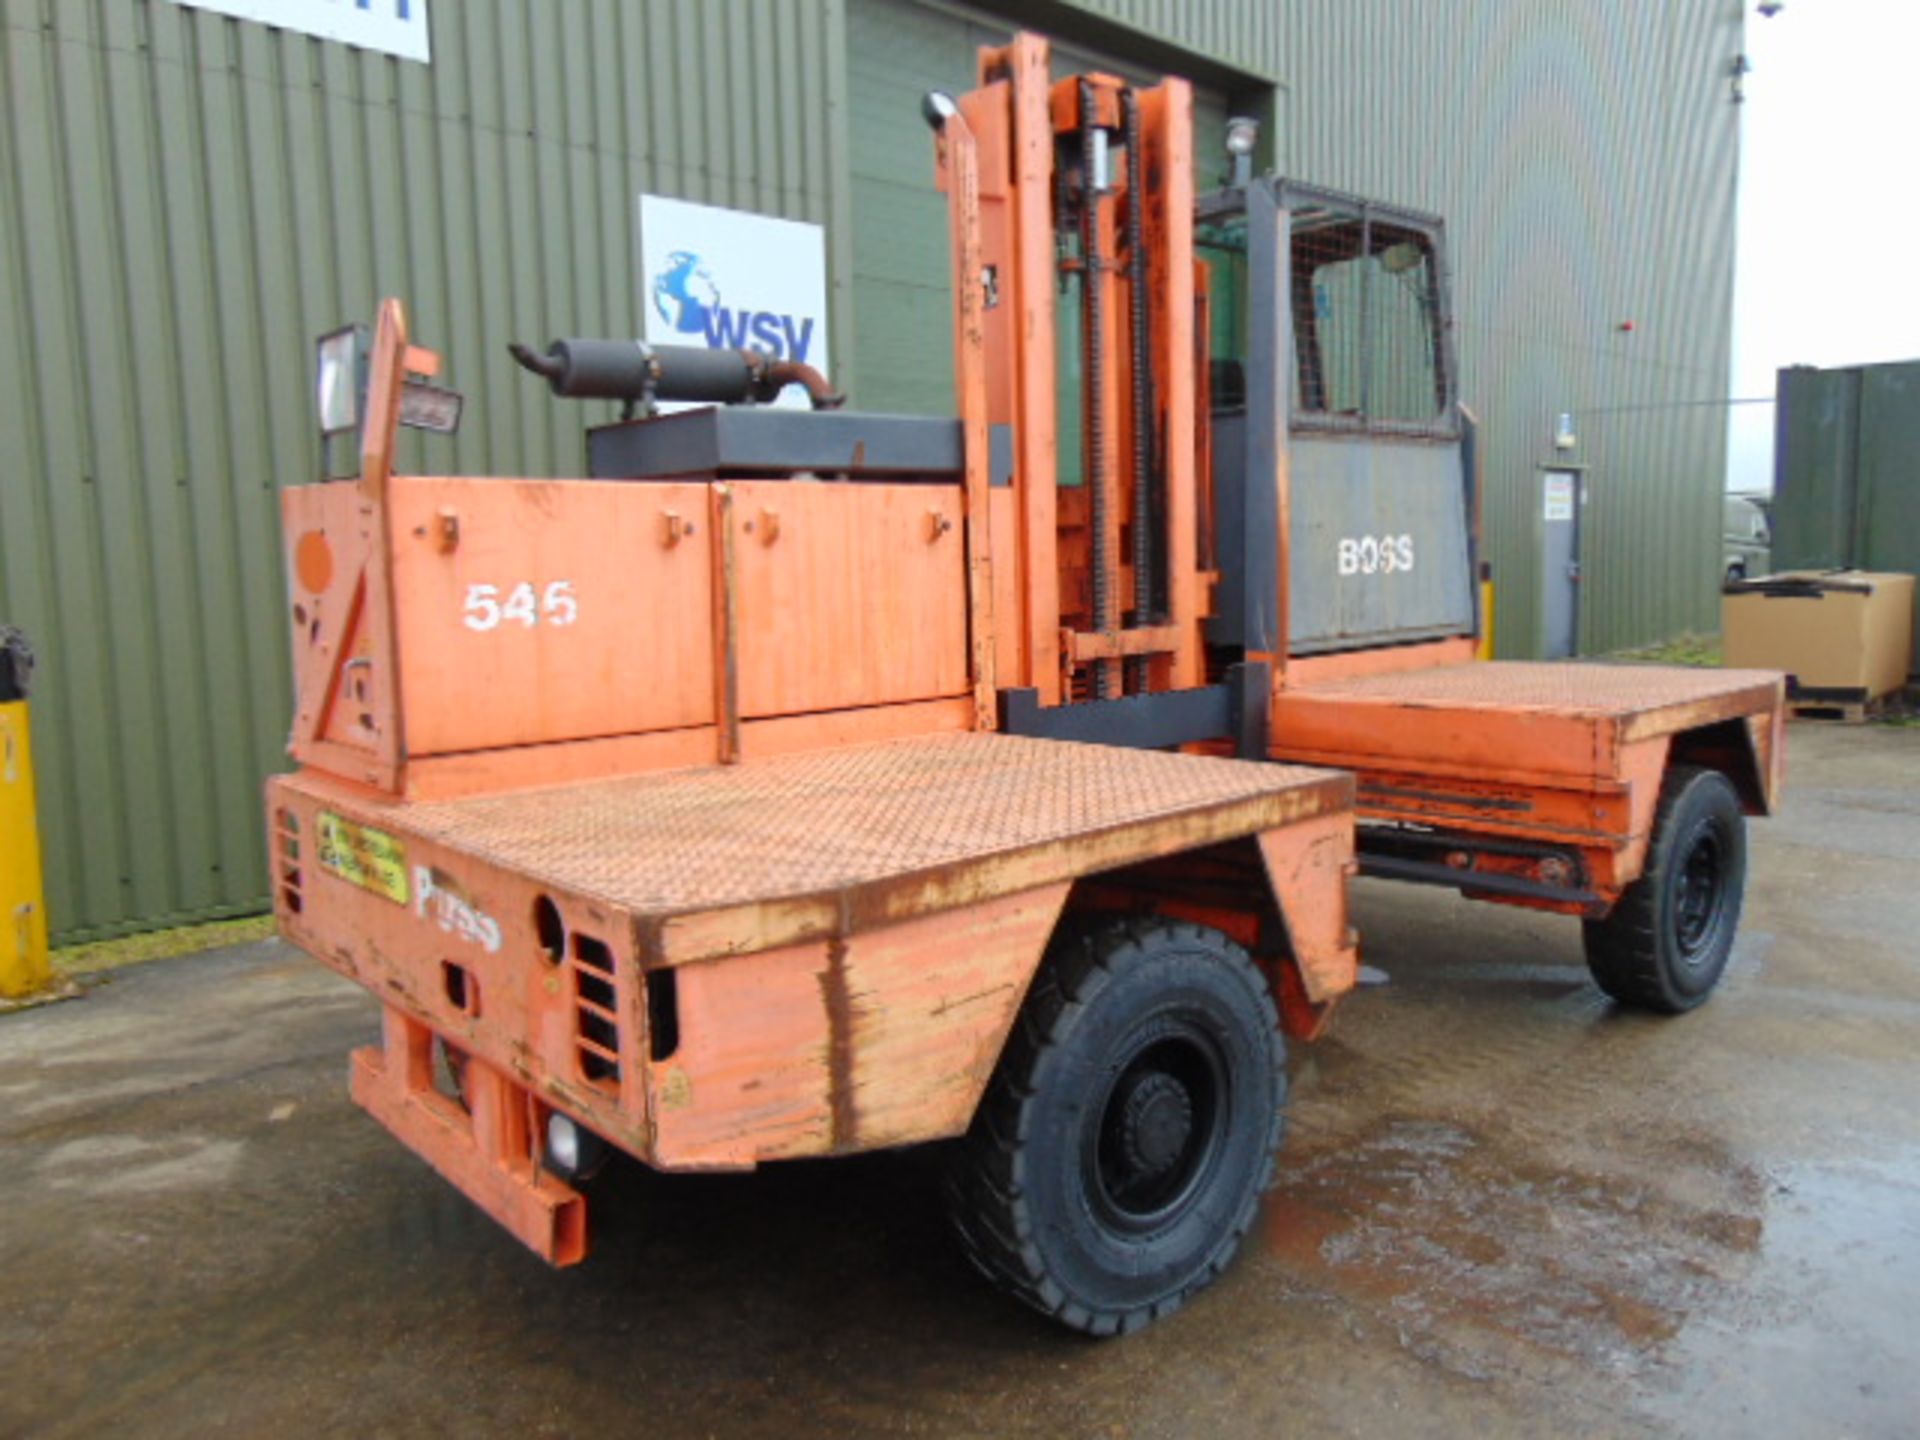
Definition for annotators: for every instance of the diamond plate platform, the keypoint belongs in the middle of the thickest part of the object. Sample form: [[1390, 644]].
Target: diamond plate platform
[[1514, 721], [873, 832], [1585, 688]]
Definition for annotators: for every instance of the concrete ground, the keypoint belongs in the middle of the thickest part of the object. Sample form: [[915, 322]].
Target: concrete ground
[[1505, 1208]]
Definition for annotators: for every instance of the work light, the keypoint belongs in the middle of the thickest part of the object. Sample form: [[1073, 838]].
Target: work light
[[341, 378], [1243, 133]]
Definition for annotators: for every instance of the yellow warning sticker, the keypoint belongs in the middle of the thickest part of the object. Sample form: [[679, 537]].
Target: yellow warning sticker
[[363, 856]]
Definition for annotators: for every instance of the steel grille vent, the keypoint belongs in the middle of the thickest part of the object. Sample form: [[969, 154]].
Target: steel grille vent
[[286, 858], [596, 1011]]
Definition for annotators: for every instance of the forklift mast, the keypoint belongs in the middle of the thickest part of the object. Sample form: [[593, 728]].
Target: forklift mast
[[1264, 458], [1072, 201]]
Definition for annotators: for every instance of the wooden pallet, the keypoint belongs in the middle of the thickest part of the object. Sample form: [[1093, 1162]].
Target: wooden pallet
[[1844, 712]]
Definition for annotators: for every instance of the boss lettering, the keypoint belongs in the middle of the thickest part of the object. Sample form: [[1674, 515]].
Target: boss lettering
[[1374, 555]]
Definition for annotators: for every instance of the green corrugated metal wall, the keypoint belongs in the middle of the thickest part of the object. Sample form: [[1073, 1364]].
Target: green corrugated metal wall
[[185, 200], [1585, 159], [902, 277], [1846, 470], [1246, 37]]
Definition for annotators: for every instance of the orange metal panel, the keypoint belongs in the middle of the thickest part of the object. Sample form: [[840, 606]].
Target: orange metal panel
[[752, 1077], [1768, 734], [344, 684], [1106, 459], [446, 906], [1009, 599], [961, 163], [849, 595], [565, 762], [1308, 865], [1507, 720], [1306, 670], [1143, 640], [790, 734], [884, 1038], [1497, 745], [925, 1007], [387, 719], [1643, 765], [531, 611], [1036, 429], [1166, 115], [1566, 753], [1567, 809]]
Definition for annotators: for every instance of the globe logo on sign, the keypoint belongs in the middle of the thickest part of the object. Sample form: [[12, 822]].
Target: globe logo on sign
[[685, 293]]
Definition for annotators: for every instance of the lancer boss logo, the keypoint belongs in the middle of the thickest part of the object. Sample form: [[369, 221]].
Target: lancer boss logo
[[438, 897], [687, 297]]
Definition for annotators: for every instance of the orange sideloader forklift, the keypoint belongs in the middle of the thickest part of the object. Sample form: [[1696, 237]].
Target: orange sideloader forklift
[[809, 781]]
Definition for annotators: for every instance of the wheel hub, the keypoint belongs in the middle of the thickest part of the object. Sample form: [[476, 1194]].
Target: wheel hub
[[1697, 903], [1157, 1130], [1156, 1122]]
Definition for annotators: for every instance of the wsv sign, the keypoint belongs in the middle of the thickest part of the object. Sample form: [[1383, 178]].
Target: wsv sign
[[688, 298]]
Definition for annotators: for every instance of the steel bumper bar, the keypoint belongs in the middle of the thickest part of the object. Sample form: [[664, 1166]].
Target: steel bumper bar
[[486, 1148]]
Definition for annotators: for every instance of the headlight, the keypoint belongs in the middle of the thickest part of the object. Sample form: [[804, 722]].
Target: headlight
[[563, 1143], [573, 1153]]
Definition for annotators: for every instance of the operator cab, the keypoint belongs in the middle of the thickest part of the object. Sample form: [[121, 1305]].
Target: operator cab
[[1364, 422]]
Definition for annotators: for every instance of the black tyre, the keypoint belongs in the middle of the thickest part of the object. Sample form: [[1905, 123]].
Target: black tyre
[[1119, 1155], [1665, 944]]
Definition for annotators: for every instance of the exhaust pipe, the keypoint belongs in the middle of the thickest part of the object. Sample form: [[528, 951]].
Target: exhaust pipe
[[638, 374]]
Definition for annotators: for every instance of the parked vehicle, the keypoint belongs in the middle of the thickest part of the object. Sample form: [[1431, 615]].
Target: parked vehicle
[[1749, 534]]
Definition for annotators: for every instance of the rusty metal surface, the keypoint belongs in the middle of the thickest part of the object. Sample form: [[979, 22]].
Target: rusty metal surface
[[817, 823], [1580, 688]]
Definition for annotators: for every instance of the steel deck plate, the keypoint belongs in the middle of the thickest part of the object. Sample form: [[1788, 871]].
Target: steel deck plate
[[1569, 687], [834, 822], [1513, 721]]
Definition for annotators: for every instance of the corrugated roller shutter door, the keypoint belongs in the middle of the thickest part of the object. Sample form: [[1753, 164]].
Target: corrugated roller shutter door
[[903, 325]]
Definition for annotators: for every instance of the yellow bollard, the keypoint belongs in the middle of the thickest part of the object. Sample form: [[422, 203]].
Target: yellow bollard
[[1484, 650], [25, 970]]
